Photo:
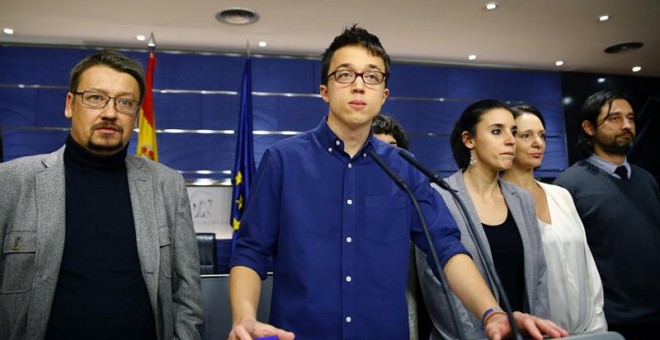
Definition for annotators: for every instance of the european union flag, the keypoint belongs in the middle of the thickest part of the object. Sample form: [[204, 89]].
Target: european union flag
[[244, 165]]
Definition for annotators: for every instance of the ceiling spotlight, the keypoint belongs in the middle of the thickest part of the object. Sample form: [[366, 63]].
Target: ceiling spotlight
[[604, 17], [624, 47], [601, 80], [8, 30], [472, 57], [559, 62], [237, 16], [490, 6], [636, 68], [263, 44], [140, 37]]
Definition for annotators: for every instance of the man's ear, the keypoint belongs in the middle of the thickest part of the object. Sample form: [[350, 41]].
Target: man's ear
[[323, 90], [587, 127], [68, 108]]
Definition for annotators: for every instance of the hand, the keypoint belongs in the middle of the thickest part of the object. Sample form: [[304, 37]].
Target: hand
[[246, 330], [498, 327]]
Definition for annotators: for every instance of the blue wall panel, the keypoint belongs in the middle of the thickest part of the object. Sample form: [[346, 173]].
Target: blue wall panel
[[201, 91]]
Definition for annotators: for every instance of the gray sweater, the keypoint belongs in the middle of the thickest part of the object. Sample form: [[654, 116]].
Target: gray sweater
[[622, 223]]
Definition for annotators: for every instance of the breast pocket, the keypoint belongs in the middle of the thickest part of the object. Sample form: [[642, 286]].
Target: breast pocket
[[17, 263], [387, 218], [165, 241]]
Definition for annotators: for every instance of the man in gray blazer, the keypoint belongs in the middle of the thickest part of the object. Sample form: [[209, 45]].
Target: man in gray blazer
[[97, 244]]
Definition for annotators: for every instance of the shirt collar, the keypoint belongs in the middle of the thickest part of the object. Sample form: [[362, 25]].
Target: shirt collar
[[607, 166], [332, 142]]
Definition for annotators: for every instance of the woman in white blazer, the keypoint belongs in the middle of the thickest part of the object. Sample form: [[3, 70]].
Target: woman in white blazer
[[573, 280]]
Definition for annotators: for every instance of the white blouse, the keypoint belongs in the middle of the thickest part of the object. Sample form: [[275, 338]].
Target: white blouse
[[574, 287]]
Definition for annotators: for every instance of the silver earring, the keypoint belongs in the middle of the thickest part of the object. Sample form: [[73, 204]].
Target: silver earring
[[473, 160]]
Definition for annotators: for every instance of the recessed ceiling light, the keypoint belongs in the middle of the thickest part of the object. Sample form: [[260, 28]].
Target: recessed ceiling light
[[624, 47], [8, 30], [490, 6], [237, 16], [636, 68], [601, 80], [140, 37], [263, 44], [604, 17], [559, 62], [472, 56]]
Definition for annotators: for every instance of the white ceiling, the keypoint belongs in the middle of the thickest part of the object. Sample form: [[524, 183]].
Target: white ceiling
[[520, 34]]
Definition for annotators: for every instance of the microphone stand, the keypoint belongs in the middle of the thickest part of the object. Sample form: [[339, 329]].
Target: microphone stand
[[488, 265], [402, 184]]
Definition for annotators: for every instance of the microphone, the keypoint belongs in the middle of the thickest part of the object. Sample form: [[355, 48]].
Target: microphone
[[402, 184], [488, 265]]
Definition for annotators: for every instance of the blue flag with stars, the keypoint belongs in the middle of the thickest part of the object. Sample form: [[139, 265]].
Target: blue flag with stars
[[244, 165]]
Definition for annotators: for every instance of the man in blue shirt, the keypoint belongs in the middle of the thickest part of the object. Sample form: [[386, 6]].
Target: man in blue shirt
[[338, 228]]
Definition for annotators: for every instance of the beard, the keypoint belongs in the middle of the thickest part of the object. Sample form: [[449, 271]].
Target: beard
[[104, 148], [104, 144], [612, 144]]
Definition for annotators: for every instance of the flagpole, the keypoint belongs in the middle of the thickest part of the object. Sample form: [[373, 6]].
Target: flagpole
[[244, 165], [146, 144]]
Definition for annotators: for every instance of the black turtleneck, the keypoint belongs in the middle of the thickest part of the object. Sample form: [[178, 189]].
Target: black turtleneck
[[100, 293]]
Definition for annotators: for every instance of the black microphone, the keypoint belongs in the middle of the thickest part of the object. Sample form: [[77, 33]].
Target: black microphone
[[402, 184], [488, 265]]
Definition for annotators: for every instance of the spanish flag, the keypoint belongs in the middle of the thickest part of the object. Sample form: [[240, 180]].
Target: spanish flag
[[244, 165], [146, 145]]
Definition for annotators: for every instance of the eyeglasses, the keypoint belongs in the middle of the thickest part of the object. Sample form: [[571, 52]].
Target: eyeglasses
[[98, 100], [349, 77]]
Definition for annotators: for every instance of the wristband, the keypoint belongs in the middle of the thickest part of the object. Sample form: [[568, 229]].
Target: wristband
[[488, 313]]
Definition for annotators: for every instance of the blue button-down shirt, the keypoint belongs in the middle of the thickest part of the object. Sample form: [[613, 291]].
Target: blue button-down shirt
[[338, 229]]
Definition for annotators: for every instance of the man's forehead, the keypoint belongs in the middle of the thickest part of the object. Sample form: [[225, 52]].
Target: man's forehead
[[350, 56], [616, 106]]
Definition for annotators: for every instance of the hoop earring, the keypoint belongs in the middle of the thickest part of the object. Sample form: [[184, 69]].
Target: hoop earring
[[473, 160]]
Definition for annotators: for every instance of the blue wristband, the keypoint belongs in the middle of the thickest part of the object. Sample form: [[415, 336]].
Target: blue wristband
[[488, 313]]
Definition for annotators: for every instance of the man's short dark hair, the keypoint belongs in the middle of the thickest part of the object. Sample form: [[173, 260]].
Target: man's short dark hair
[[354, 36], [590, 112], [386, 125], [112, 59]]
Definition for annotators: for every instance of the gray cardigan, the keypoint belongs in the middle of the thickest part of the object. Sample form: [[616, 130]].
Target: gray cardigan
[[32, 230], [521, 206]]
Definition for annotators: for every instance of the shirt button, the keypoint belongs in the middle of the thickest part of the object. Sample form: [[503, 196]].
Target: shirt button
[[349, 202], [349, 239], [337, 142], [350, 165], [364, 155], [329, 149], [348, 319], [349, 278]]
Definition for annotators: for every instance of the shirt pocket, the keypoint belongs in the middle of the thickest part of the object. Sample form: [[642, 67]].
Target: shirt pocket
[[387, 218], [165, 243], [17, 263]]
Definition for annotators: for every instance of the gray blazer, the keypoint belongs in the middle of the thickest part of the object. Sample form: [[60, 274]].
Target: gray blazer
[[32, 226], [521, 205]]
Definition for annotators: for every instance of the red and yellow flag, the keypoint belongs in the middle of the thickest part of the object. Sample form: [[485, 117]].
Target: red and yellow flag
[[146, 143]]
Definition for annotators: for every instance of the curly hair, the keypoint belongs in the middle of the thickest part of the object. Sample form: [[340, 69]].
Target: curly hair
[[386, 125]]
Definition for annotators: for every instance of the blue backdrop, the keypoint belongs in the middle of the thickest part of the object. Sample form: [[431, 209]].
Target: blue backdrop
[[200, 91]]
